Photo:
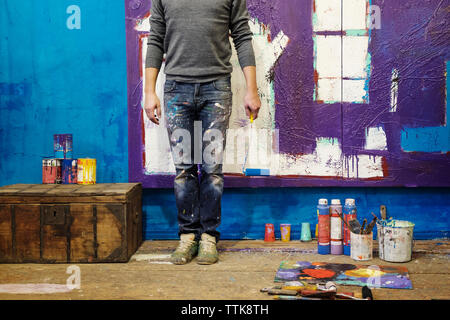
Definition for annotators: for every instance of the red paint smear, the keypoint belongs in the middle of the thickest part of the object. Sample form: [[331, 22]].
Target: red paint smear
[[316, 77], [319, 273], [269, 38], [141, 72], [385, 166]]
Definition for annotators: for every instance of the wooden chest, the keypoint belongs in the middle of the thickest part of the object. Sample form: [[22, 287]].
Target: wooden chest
[[70, 223]]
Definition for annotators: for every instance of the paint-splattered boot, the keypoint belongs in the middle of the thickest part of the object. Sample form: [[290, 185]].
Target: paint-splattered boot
[[207, 253], [187, 249]]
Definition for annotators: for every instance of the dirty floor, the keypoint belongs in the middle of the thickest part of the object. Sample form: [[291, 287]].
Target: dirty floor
[[244, 268]]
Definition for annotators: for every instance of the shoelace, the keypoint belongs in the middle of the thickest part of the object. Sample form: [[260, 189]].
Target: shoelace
[[184, 245], [208, 245]]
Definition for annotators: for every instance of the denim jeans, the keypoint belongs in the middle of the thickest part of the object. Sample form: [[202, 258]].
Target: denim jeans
[[202, 112]]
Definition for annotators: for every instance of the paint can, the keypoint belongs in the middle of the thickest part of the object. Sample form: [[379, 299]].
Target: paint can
[[269, 235], [349, 212], [69, 173], [51, 171], [86, 171], [361, 246], [62, 145], [395, 240], [285, 229], [323, 211], [306, 232], [336, 227]]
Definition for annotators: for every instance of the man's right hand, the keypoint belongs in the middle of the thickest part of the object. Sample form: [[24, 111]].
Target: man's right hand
[[152, 107]]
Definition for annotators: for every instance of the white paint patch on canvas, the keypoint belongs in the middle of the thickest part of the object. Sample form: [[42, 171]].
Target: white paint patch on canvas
[[363, 167], [327, 160], [375, 139], [354, 14], [327, 16], [355, 50], [394, 91]]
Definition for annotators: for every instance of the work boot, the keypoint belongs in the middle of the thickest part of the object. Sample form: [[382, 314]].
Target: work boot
[[207, 253], [186, 250]]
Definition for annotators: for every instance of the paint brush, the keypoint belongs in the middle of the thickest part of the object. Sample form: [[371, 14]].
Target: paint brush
[[278, 292], [294, 298], [345, 222], [355, 227], [273, 288], [383, 212], [371, 225], [318, 294], [362, 227]]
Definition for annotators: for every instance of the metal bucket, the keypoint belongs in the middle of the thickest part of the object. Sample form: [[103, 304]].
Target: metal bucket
[[361, 246], [395, 240]]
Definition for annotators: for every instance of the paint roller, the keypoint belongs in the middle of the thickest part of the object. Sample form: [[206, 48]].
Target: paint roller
[[253, 171]]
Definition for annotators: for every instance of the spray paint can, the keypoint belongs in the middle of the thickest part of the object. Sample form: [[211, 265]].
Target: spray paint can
[[336, 227], [349, 211], [51, 171], [69, 171], [323, 211]]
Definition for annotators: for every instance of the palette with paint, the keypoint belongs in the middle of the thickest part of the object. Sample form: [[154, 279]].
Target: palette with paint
[[374, 276]]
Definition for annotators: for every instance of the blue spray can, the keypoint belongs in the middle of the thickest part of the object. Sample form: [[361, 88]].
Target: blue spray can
[[323, 212], [349, 211]]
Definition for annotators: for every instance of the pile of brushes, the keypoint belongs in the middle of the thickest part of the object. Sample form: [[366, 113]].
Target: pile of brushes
[[296, 290], [355, 227]]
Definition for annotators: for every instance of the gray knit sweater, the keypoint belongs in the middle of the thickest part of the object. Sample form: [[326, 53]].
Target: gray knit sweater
[[194, 34]]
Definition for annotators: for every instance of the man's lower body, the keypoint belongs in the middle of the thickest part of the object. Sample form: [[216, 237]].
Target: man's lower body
[[197, 117]]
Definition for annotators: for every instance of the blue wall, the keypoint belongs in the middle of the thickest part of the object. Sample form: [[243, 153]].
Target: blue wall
[[245, 211], [55, 80]]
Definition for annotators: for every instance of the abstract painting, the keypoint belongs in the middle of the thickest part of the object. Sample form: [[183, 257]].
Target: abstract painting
[[374, 276], [353, 92]]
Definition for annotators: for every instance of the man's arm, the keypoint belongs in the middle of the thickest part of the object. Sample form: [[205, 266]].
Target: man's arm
[[252, 103], [153, 61], [242, 38], [151, 103]]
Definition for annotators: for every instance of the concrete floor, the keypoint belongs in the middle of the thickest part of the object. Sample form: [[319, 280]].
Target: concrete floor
[[244, 268]]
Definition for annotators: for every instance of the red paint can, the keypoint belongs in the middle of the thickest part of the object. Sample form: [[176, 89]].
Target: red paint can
[[269, 235], [51, 171]]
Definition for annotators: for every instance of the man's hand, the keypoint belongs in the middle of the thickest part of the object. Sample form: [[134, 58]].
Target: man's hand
[[252, 103], [152, 107]]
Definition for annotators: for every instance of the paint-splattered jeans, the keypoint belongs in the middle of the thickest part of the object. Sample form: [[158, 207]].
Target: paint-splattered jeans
[[197, 116]]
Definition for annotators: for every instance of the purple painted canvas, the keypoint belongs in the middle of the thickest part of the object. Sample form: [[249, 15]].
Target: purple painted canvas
[[374, 276], [353, 92]]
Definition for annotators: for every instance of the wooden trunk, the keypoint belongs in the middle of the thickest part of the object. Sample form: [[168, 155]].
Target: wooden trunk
[[49, 223]]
